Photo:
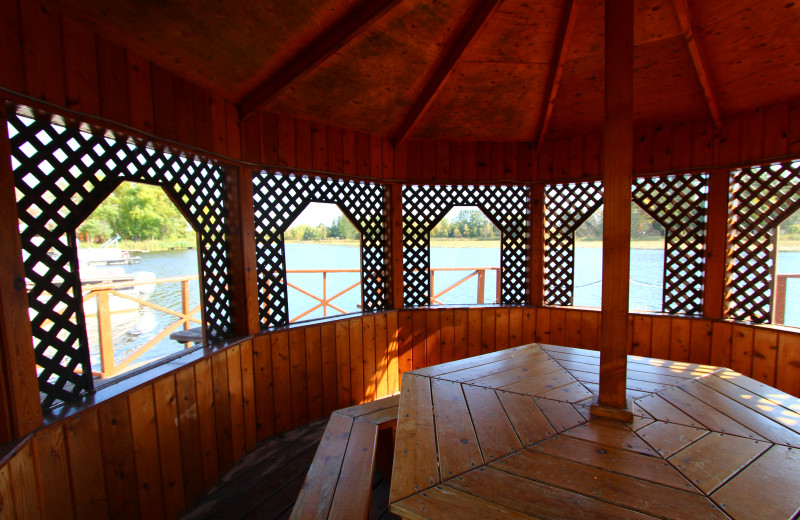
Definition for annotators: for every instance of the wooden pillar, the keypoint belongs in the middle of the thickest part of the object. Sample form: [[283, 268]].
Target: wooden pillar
[[617, 162], [20, 407], [244, 283], [394, 213], [536, 247], [716, 245]]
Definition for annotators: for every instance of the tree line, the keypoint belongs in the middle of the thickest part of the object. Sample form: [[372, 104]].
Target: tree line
[[135, 212], [341, 229]]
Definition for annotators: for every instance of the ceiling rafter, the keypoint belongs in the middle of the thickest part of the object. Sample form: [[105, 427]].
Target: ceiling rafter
[[444, 67], [353, 23], [567, 26], [682, 10]]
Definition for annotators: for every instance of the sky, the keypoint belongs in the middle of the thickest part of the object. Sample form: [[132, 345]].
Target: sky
[[317, 213]]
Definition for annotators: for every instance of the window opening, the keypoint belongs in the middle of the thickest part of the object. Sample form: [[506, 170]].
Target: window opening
[[323, 263], [786, 305], [646, 292], [424, 205], [62, 171], [589, 261], [137, 260], [278, 199], [465, 258], [760, 198]]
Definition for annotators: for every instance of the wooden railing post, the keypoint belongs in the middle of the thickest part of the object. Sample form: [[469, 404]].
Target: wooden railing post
[[497, 286], [481, 285], [779, 301], [185, 307], [325, 293], [104, 333], [431, 286]]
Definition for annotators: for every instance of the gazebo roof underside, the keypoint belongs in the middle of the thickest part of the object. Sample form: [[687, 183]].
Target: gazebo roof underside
[[425, 69]]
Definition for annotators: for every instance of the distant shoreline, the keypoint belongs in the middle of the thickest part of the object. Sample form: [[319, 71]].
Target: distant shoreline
[[785, 245]]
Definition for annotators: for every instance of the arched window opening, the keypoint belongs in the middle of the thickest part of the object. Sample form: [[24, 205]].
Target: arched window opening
[[588, 281], [138, 266], [786, 306], [465, 258], [323, 263], [646, 289]]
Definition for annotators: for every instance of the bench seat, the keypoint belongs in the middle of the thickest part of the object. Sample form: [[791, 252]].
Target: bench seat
[[356, 440]]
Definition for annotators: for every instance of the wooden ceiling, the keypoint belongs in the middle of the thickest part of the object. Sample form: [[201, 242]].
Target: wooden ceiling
[[492, 70]]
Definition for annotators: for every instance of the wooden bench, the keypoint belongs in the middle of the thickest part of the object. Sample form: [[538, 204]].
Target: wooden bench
[[356, 440]]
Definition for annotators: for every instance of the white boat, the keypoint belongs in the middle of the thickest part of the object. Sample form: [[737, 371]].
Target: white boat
[[108, 254]]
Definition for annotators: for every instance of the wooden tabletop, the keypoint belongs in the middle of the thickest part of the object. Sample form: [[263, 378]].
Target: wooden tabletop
[[508, 435]]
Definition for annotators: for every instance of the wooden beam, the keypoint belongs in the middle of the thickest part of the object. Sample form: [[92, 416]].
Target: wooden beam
[[241, 222], [682, 9], [353, 23], [716, 244], [394, 193], [536, 256], [617, 160], [567, 26], [21, 412], [444, 67]]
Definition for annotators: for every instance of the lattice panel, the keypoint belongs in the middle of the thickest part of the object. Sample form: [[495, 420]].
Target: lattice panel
[[567, 206], [760, 198], [62, 173], [279, 199], [425, 205], [678, 203]]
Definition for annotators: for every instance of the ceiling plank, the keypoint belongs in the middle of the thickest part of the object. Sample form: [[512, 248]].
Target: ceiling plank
[[445, 66], [682, 10], [353, 23], [555, 80]]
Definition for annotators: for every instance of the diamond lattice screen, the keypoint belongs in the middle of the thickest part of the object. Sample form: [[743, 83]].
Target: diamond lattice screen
[[760, 198], [678, 203], [425, 205], [279, 199], [567, 206], [62, 173]]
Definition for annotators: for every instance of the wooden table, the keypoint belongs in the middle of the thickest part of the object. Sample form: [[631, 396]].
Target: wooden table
[[508, 435]]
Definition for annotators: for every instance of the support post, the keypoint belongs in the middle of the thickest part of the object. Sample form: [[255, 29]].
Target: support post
[[394, 212], [242, 236], [716, 245], [617, 161], [481, 285], [20, 407], [536, 246], [104, 332]]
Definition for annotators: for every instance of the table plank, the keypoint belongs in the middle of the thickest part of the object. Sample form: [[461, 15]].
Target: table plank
[[715, 458], [440, 503], [521, 359], [613, 434], [475, 361], [669, 438], [415, 460], [710, 417], [528, 421], [767, 488], [644, 467], [618, 489], [539, 369], [571, 393], [562, 416], [539, 385], [455, 435], [496, 436], [537, 499], [662, 410], [751, 419]]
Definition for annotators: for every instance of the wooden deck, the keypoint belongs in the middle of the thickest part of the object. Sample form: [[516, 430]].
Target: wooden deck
[[509, 435], [265, 483]]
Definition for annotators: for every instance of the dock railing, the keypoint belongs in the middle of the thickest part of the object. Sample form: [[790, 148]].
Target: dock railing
[[102, 293], [779, 302]]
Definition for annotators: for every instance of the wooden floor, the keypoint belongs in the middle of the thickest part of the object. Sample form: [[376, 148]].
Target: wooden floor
[[265, 483], [509, 435]]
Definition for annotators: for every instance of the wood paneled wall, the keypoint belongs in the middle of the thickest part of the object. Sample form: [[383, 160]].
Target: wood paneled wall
[[52, 58], [154, 450]]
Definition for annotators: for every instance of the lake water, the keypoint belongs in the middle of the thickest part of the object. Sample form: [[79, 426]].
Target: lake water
[[132, 329]]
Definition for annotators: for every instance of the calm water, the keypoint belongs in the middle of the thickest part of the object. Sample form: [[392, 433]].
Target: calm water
[[132, 329]]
